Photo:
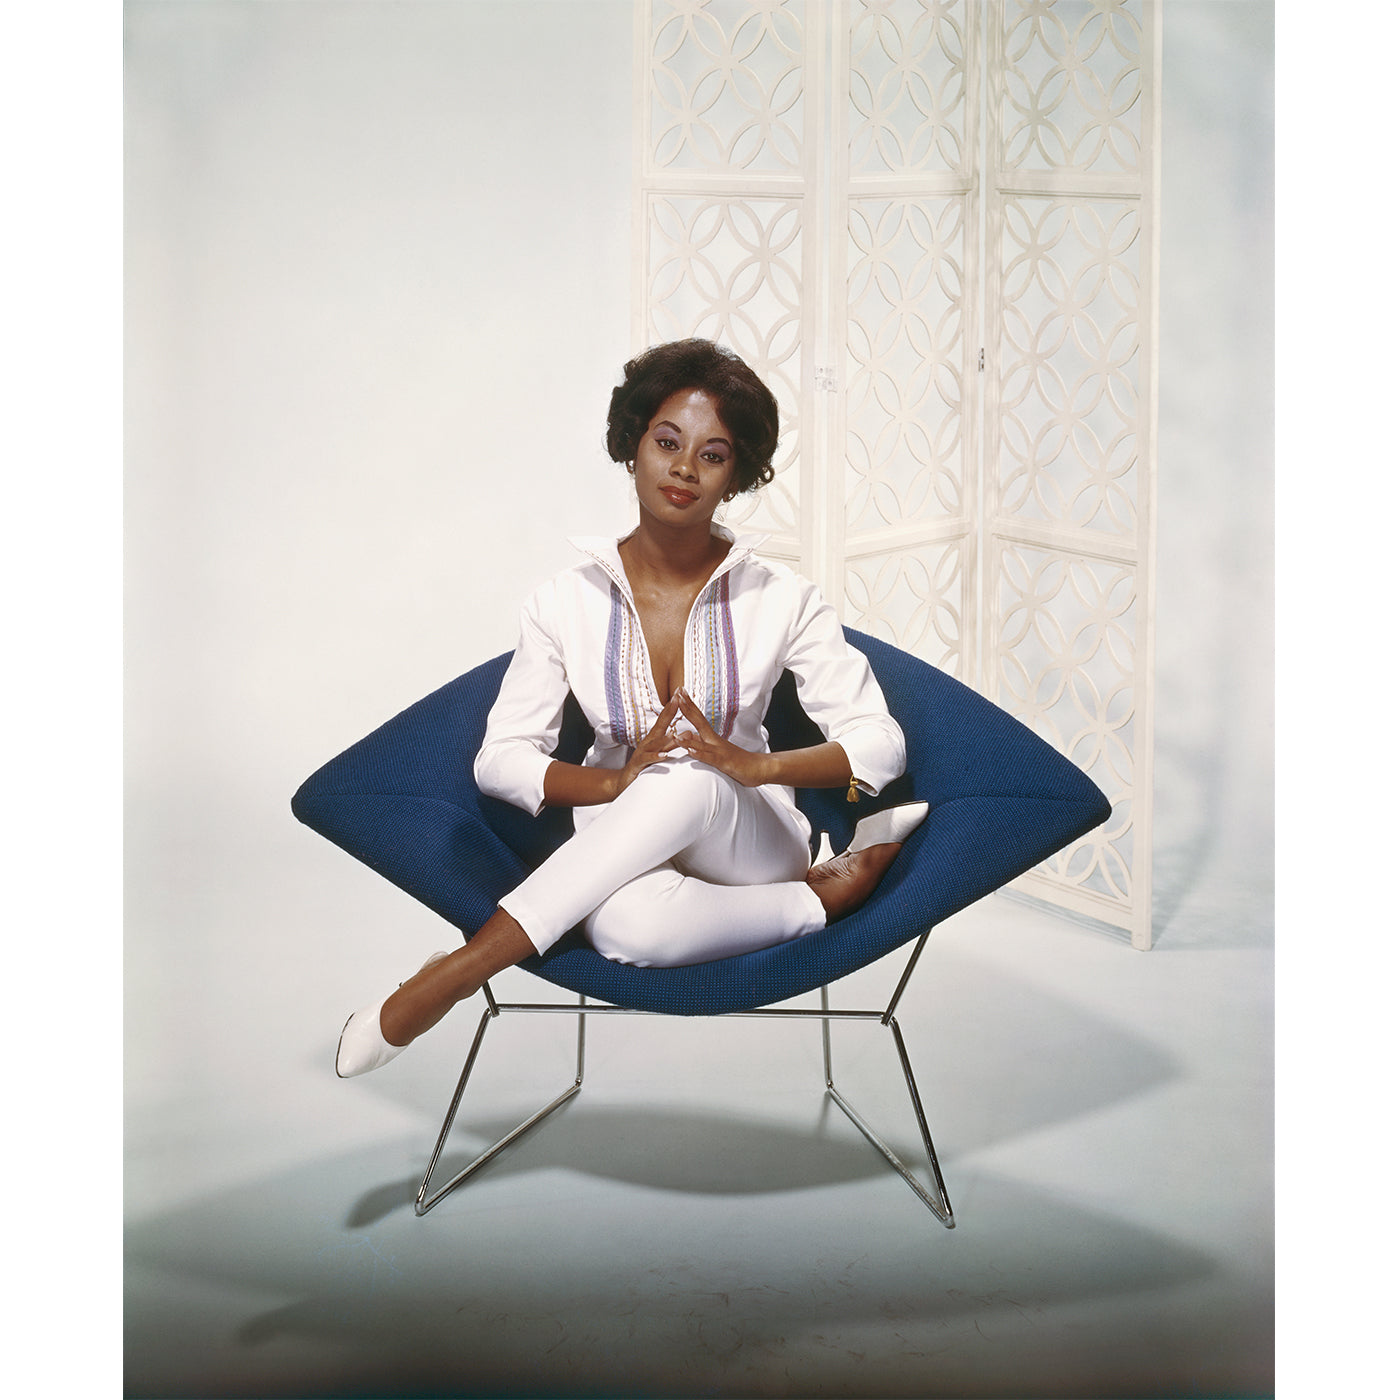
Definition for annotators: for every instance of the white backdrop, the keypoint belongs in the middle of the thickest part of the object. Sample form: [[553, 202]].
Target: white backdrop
[[377, 295]]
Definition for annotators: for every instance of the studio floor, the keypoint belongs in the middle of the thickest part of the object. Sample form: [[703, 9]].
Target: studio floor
[[699, 1221]]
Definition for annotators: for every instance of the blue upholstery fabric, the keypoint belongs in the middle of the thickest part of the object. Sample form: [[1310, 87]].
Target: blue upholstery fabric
[[403, 801]]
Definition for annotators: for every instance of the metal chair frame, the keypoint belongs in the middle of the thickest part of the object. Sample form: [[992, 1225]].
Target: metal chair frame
[[937, 1203]]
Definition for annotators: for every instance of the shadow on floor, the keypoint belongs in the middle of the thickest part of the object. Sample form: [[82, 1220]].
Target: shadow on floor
[[529, 1285], [650, 1146]]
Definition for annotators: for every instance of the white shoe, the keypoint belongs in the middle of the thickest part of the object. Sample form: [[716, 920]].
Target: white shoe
[[894, 824], [362, 1045]]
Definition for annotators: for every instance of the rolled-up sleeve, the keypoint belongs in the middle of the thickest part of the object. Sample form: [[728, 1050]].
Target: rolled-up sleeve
[[522, 729], [839, 691]]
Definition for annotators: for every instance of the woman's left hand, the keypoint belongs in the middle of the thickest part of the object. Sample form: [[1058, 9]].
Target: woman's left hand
[[748, 769]]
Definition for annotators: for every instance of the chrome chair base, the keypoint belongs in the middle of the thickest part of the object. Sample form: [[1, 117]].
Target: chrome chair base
[[937, 1200]]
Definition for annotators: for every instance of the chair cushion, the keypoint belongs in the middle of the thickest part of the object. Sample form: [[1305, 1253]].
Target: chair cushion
[[403, 801]]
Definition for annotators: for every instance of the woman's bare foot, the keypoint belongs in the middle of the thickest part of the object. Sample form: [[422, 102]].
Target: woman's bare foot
[[844, 883]]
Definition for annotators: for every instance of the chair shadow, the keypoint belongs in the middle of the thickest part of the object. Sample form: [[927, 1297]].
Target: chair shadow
[[651, 1147], [463, 1312]]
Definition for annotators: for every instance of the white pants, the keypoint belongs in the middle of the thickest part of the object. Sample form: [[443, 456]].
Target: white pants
[[684, 867]]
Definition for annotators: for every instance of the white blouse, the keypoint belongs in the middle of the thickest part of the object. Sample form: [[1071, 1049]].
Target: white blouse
[[753, 619]]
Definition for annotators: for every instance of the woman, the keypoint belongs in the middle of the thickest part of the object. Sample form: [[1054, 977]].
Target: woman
[[688, 845]]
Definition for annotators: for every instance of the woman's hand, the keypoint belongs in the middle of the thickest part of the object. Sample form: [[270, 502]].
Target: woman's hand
[[659, 741], [747, 769]]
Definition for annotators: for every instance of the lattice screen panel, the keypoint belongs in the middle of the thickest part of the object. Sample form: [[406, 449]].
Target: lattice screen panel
[[1070, 413], [728, 222], [905, 137], [875, 201]]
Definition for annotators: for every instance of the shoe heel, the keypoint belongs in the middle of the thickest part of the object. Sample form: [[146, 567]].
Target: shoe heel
[[894, 824]]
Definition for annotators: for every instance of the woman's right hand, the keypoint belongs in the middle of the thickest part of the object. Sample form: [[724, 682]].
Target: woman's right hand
[[658, 742]]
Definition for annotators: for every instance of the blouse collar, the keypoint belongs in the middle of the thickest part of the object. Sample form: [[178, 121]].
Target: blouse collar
[[602, 549]]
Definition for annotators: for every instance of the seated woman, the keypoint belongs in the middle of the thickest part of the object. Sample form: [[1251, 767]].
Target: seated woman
[[688, 845]]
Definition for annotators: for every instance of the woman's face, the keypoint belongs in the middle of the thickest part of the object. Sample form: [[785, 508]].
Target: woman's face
[[685, 460]]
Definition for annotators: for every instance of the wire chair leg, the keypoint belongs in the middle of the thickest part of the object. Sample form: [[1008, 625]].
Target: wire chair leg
[[423, 1202], [939, 1204]]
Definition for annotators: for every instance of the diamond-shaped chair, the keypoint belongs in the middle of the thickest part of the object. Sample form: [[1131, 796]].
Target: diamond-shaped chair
[[402, 800]]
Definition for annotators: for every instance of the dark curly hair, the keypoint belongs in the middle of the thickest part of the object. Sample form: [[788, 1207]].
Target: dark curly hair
[[746, 405]]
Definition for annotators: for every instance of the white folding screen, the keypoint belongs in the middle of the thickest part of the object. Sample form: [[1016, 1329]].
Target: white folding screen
[[931, 226], [1070, 415]]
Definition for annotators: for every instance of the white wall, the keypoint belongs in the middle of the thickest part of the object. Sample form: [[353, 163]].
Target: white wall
[[1215, 616], [377, 298]]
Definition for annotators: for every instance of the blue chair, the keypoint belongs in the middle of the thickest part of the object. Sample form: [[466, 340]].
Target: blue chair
[[402, 800]]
